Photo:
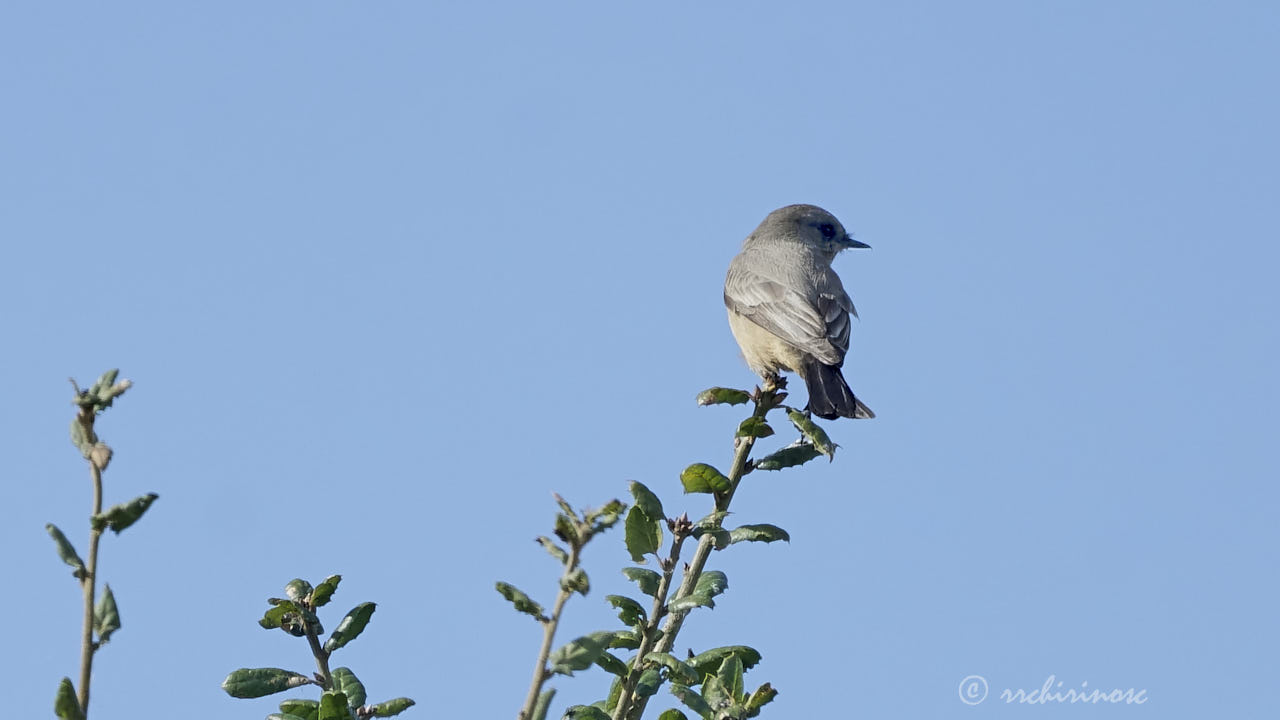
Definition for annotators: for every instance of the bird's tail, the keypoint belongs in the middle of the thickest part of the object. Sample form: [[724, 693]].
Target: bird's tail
[[829, 395]]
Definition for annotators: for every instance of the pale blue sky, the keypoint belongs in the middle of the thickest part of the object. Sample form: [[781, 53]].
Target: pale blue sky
[[386, 275]]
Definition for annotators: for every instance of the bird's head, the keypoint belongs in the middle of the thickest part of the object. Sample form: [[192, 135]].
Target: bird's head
[[812, 226]]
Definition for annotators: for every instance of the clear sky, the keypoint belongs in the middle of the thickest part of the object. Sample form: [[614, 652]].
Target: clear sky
[[388, 274]]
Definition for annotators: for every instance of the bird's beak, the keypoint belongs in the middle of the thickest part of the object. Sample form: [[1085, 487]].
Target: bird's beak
[[851, 243]]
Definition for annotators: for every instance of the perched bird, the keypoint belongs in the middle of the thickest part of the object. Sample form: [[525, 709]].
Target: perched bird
[[787, 308]]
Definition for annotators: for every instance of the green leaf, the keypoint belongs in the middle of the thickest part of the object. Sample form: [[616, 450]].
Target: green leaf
[[584, 712], [567, 530], [66, 551], [65, 703], [649, 682], [579, 654], [287, 716], [702, 478], [691, 699], [274, 617], [814, 434], [763, 695], [679, 671], [647, 579], [346, 682], [106, 616], [632, 612], [730, 674], [672, 714], [351, 626], [521, 601], [762, 532], [399, 705], [119, 517], [754, 427], [718, 697], [710, 584], [304, 709], [325, 590], [721, 536], [647, 501], [627, 639], [723, 396], [710, 661], [297, 590], [611, 664], [555, 550], [257, 682], [576, 581], [334, 706], [798, 453], [644, 534], [606, 517]]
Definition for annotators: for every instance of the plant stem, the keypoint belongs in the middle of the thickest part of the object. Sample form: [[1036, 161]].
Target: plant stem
[[765, 401], [550, 624], [88, 583], [651, 629], [322, 657]]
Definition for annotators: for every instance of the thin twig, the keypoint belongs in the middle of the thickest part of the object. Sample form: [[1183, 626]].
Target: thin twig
[[540, 672]]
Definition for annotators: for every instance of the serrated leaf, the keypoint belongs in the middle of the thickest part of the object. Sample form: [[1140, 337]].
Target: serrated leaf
[[644, 534], [691, 699], [814, 434], [611, 664], [679, 671], [305, 709], [648, 580], [521, 601], [693, 600], [672, 714], [553, 549], [346, 682], [702, 478], [334, 706], [762, 695], [119, 517], [257, 682], [584, 712], [762, 532], [709, 661], [394, 707], [323, 592], [647, 501], [576, 581], [298, 589], [579, 654], [351, 626], [65, 703], [755, 427], [723, 396], [106, 616], [632, 612], [66, 551], [797, 453]]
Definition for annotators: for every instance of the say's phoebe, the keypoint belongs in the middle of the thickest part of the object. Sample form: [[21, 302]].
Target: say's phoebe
[[787, 308]]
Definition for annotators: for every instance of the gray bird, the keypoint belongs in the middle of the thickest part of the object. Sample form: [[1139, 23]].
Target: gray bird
[[787, 308]]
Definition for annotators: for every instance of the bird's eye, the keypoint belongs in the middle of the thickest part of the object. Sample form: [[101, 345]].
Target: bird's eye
[[828, 231]]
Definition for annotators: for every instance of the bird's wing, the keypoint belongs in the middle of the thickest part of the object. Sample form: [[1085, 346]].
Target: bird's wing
[[820, 329]]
